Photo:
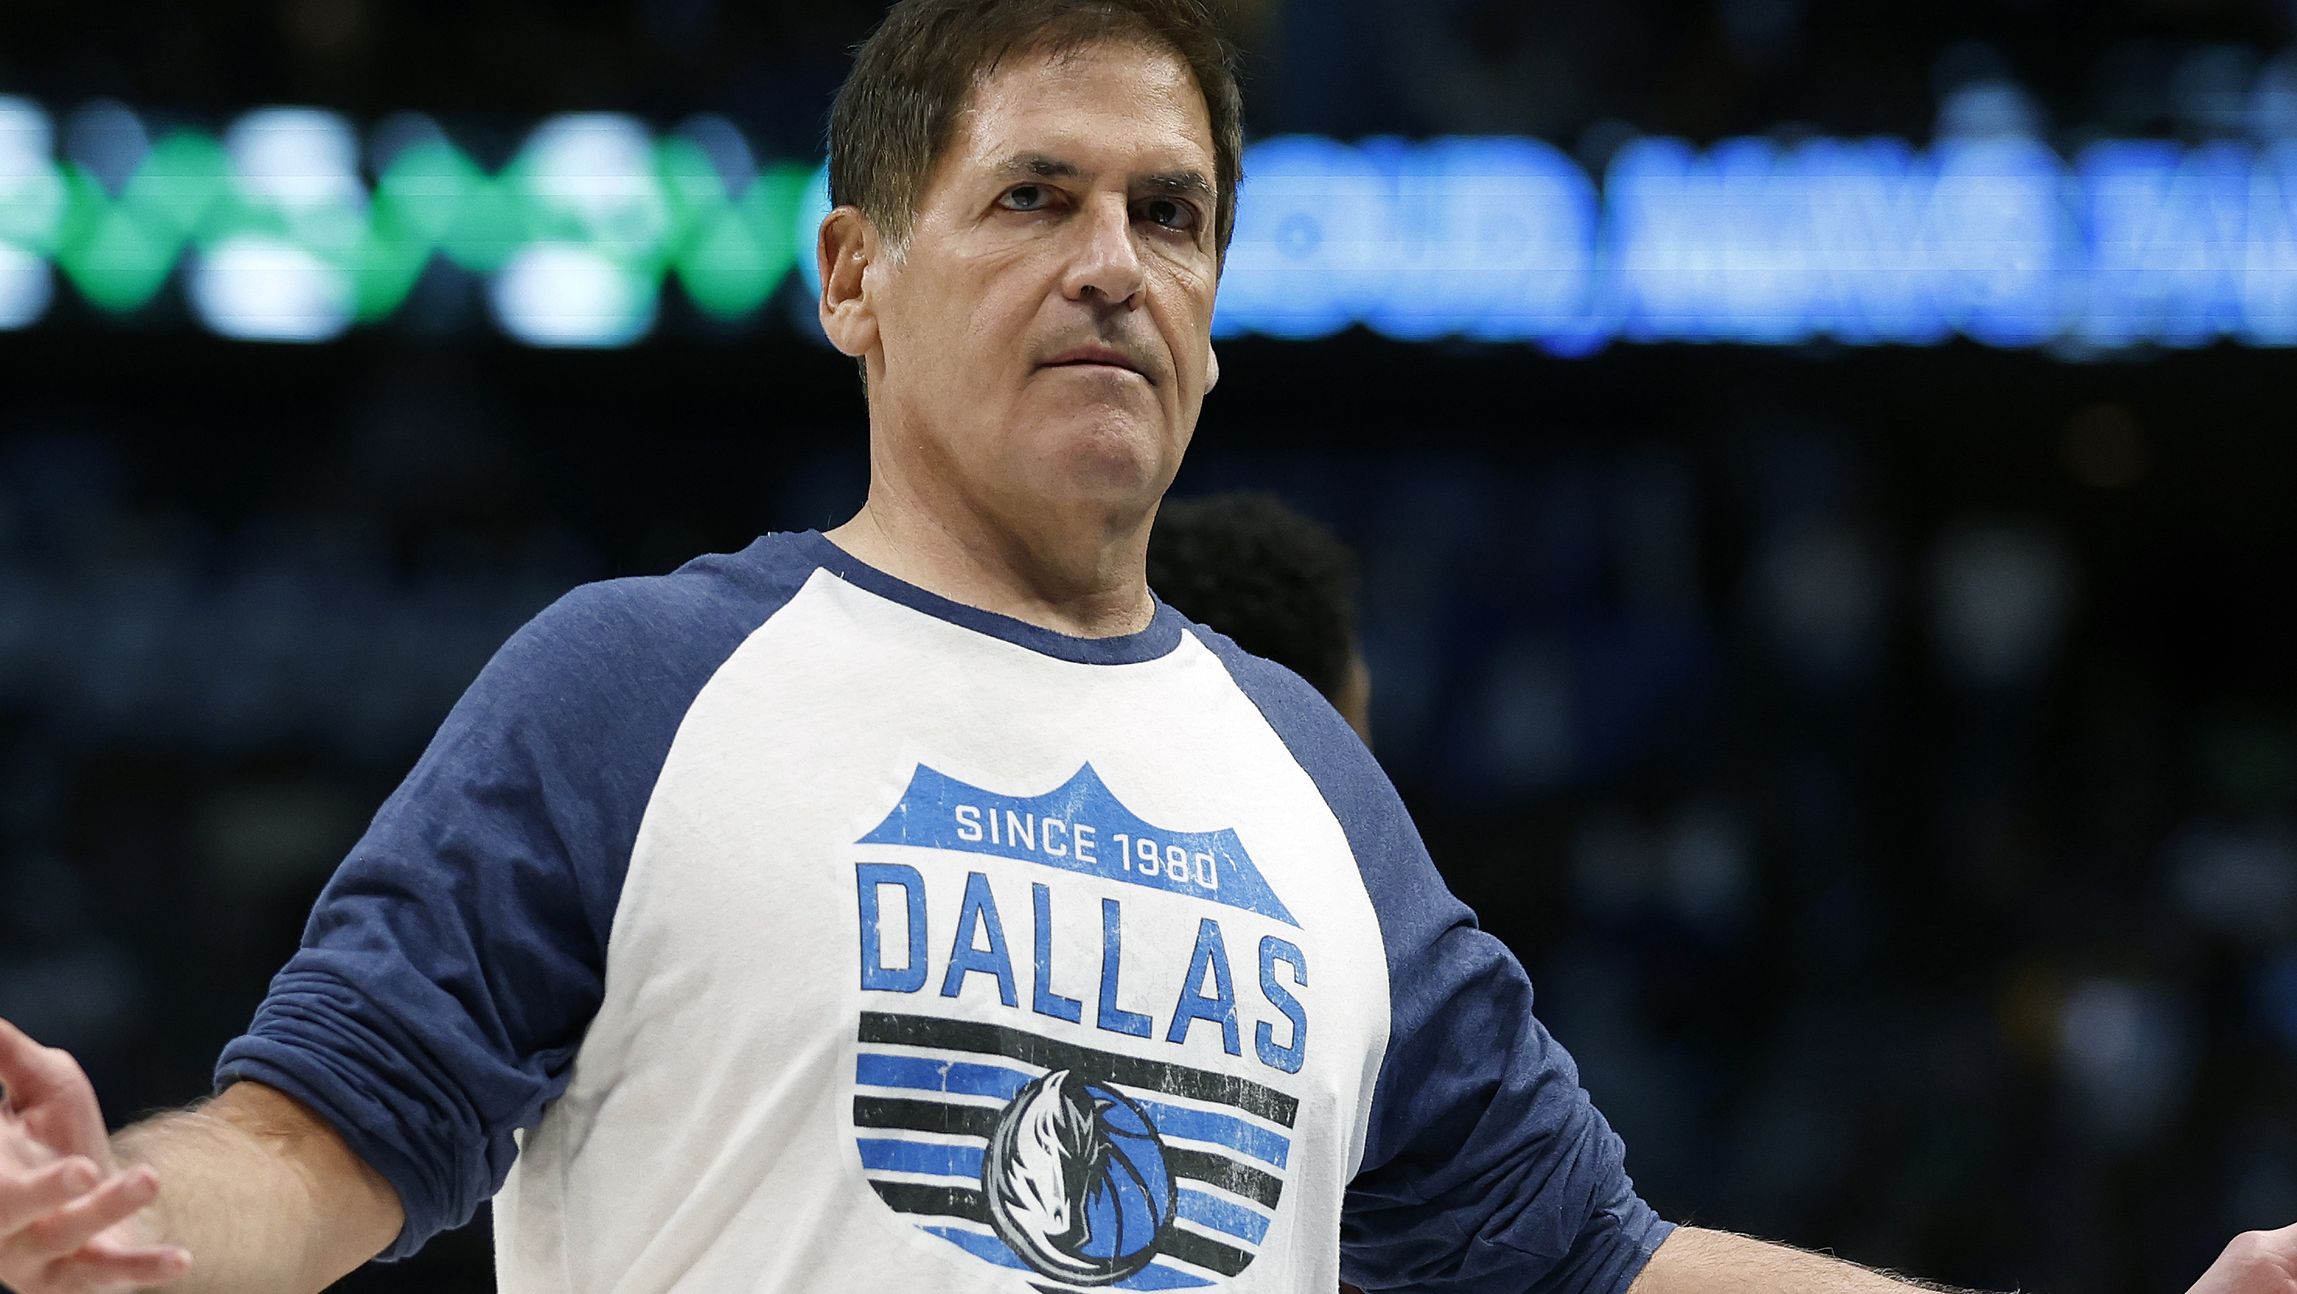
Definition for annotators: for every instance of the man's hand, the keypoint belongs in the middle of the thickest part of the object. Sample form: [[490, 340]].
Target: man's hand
[[2257, 1262], [70, 1221]]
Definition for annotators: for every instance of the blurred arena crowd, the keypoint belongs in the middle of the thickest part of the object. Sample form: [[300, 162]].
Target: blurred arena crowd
[[1886, 763]]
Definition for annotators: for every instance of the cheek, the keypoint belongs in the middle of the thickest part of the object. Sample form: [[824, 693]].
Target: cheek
[[1188, 326], [1193, 290], [990, 329], [936, 317]]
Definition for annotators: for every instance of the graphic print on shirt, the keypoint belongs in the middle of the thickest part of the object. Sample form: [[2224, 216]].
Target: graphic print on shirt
[[995, 1122]]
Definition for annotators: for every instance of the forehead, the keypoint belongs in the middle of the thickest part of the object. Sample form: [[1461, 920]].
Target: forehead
[[1108, 105]]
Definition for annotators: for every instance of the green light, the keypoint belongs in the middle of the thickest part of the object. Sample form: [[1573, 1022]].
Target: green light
[[729, 240], [389, 262], [184, 188], [121, 263], [729, 254], [426, 189], [32, 209], [489, 227], [726, 271]]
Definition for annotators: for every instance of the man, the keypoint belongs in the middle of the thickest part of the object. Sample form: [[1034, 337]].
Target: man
[[1283, 587], [916, 907]]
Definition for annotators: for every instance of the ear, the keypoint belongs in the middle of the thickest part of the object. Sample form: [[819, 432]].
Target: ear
[[1211, 367], [844, 251]]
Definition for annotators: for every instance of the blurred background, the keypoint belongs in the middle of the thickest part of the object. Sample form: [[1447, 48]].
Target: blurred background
[[1821, 469]]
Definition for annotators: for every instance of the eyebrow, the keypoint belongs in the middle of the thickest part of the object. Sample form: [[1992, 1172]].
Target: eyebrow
[[1180, 184], [1184, 183], [1036, 166]]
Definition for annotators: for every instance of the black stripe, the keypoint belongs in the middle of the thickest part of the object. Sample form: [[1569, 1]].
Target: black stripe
[[966, 1203], [940, 1201], [1046, 1053], [1227, 1174], [1210, 1255], [924, 1116]]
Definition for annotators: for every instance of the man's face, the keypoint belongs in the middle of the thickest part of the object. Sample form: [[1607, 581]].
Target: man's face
[[1044, 339]]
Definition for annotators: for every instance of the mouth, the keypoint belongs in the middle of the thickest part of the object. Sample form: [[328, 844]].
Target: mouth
[[1097, 357]]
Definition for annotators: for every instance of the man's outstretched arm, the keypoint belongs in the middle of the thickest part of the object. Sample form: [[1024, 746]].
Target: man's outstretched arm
[[264, 1194], [257, 1193], [1696, 1261], [1693, 1261]]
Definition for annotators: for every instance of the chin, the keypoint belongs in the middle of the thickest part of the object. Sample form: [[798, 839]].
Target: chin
[[1116, 460]]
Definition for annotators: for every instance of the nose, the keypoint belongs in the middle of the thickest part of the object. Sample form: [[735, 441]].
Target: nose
[[1106, 266]]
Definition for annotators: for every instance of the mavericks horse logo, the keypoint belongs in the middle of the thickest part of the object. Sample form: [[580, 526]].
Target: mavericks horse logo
[[1076, 1182]]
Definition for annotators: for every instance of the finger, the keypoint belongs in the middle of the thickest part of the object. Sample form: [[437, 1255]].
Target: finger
[[26, 1198], [70, 1228], [102, 1266], [22, 1152]]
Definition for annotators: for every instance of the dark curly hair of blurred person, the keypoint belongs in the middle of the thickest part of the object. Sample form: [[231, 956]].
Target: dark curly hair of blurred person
[[1256, 569]]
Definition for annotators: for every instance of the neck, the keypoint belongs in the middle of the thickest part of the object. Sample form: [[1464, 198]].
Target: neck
[[1072, 575]]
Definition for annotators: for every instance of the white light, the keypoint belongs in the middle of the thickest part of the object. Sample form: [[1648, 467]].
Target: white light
[[26, 135], [562, 294], [25, 287], [31, 193], [263, 289], [596, 170], [300, 158]]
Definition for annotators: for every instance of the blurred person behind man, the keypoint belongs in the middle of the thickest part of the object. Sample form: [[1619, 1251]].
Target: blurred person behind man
[[1253, 567]]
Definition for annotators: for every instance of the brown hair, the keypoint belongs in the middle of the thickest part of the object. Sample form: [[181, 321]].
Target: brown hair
[[898, 107]]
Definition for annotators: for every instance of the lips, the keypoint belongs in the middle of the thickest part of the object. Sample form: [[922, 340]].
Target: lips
[[1094, 357]]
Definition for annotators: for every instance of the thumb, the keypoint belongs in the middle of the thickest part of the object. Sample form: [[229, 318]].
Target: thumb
[[27, 1069], [49, 1097]]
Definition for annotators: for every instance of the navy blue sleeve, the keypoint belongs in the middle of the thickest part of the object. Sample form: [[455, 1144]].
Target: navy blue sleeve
[[1486, 1168], [452, 965]]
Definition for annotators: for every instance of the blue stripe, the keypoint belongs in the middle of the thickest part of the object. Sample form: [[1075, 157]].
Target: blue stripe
[[1196, 1125], [952, 1076], [1156, 1276], [917, 1157], [1222, 1216]]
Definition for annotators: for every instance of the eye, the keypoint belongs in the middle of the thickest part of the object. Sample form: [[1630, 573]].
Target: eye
[[1026, 197], [1170, 213]]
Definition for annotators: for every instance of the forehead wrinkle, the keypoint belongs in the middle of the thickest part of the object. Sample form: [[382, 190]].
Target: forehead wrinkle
[[1069, 62]]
